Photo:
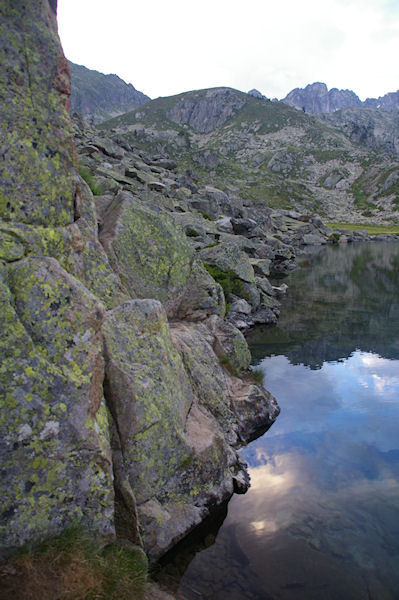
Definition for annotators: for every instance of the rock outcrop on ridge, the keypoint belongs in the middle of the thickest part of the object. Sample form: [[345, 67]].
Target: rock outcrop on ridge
[[124, 392], [317, 98]]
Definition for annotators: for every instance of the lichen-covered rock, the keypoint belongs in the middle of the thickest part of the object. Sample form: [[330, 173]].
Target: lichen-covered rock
[[174, 451], [255, 408], [154, 259], [206, 374], [75, 246], [37, 166], [202, 297], [150, 254], [229, 342], [151, 395], [229, 258], [54, 452]]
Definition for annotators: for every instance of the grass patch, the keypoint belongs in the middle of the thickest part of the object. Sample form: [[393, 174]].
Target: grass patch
[[226, 362], [89, 179], [71, 567], [227, 279], [371, 229], [258, 375]]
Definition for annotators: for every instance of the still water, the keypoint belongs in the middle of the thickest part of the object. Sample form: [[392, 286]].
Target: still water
[[321, 519]]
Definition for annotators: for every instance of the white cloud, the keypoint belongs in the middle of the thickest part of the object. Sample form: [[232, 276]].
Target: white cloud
[[169, 47]]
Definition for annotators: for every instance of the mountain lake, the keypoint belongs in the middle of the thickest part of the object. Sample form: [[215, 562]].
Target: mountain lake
[[321, 519]]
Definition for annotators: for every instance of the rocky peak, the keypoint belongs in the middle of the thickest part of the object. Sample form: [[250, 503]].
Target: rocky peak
[[389, 101], [316, 98], [257, 94]]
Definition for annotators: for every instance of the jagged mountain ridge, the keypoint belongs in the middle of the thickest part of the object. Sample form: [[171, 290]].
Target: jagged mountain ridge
[[316, 98], [266, 151], [99, 97]]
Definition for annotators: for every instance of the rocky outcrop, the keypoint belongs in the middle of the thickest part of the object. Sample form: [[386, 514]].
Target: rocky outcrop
[[98, 97], [124, 393], [389, 101], [211, 109], [317, 98], [371, 127]]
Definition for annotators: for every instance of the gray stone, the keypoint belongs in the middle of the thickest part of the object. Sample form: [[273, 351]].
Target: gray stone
[[229, 258]]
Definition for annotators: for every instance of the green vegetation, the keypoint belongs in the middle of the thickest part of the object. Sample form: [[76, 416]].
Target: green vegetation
[[257, 374], [89, 179], [70, 566], [371, 229], [206, 216], [227, 279], [226, 361], [360, 196]]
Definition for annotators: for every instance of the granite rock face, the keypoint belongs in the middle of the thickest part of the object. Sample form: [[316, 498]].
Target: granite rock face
[[212, 110], [55, 453], [37, 168], [111, 415], [371, 127], [388, 101], [317, 98]]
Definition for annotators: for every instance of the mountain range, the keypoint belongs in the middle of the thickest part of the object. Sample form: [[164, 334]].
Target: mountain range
[[99, 97], [341, 164]]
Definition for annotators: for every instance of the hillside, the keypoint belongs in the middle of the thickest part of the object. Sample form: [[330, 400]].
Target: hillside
[[267, 151], [374, 128], [98, 97]]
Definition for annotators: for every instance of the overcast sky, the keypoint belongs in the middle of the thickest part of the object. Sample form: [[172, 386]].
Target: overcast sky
[[165, 47]]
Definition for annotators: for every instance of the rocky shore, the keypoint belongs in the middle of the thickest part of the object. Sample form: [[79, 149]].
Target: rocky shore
[[126, 388], [125, 393]]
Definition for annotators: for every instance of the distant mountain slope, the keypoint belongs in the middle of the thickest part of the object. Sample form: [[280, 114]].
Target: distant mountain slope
[[316, 98], [98, 97], [375, 128], [268, 152]]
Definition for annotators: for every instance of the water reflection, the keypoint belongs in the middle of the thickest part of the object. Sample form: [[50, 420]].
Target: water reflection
[[321, 520]]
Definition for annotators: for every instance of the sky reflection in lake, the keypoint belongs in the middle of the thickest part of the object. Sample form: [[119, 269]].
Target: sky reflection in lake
[[321, 519]]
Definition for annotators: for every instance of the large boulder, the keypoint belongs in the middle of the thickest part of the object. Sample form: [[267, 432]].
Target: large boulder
[[175, 457], [150, 254], [153, 259], [54, 443], [229, 258]]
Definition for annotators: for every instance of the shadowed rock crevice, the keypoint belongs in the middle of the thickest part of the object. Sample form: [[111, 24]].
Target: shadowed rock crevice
[[125, 509]]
